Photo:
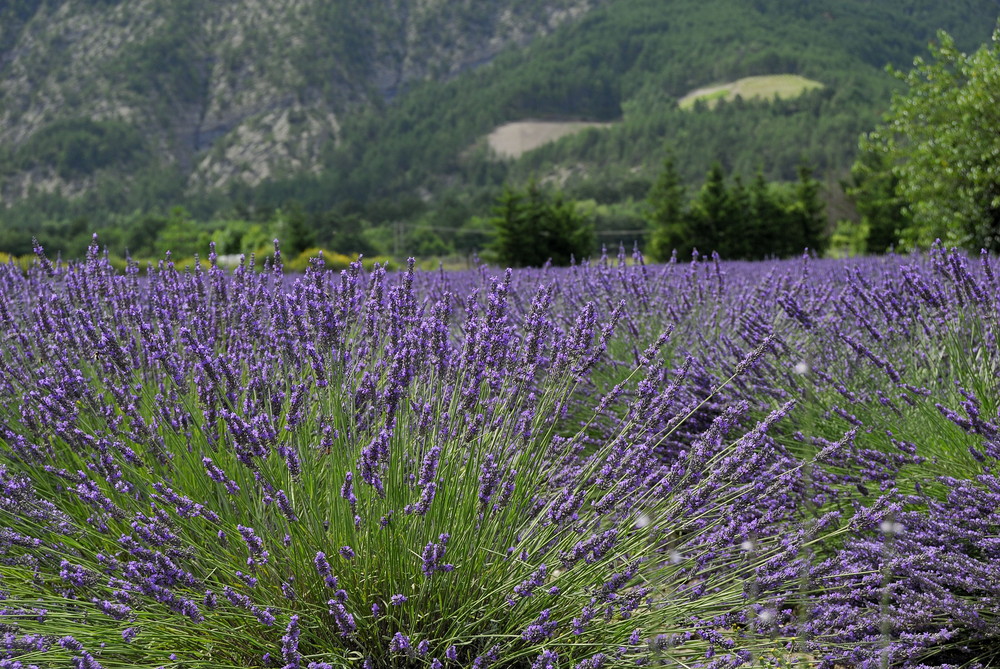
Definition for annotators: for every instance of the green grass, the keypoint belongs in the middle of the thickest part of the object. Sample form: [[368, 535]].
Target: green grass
[[766, 87]]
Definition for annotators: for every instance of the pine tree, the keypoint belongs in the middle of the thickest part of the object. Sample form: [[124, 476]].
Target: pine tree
[[711, 213], [668, 215], [294, 231], [808, 211], [735, 244], [875, 192], [532, 228], [511, 221], [767, 221]]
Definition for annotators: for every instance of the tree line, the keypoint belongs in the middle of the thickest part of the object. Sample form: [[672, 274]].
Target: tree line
[[739, 222]]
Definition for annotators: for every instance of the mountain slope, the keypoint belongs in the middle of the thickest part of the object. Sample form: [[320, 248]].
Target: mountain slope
[[631, 60], [237, 90]]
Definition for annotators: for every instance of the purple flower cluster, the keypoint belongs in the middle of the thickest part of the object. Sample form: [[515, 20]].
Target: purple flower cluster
[[433, 555]]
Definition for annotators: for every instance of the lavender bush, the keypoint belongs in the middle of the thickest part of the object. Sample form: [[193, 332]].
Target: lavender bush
[[704, 464]]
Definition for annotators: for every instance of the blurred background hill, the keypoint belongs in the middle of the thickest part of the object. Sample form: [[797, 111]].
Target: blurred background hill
[[365, 126]]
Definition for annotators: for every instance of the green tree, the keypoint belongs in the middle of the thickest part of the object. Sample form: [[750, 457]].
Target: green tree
[[422, 241], [874, 189], [767, 224], [736, 242], [294, 230], [533, 228], [180, 235], [807, 212], [711, 215], [941, 143], [668, 218], [343, 232]]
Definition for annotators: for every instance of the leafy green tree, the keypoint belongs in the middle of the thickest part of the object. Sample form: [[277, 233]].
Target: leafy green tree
[[668, 214], [533, 228], [941, 144], [181, 235], [422, 242]]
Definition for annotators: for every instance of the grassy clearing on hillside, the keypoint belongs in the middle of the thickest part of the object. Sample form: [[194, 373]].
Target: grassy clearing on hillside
[[771, 86], [512, 140]]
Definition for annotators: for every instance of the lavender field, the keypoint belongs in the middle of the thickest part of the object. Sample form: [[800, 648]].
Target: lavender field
[[697, 464]]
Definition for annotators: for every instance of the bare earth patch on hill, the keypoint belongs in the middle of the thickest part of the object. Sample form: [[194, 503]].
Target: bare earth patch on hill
[[511, 140], [771, 86]]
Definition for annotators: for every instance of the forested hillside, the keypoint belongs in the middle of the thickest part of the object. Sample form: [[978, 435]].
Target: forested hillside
[[354, 115]]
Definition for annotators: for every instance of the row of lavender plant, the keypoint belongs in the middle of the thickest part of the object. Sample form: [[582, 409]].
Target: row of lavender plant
[[895, 361], [611, 465], [202, 469], [898, 355]]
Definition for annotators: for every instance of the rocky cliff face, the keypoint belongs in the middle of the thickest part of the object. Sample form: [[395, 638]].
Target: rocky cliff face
[[228, 91]]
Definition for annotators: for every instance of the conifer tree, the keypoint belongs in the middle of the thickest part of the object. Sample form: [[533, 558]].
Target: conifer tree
[[668, 215], [533, 228], [735, 243], [875, 191], [711, 214], [808, 211], [294, 231], [767, 220]]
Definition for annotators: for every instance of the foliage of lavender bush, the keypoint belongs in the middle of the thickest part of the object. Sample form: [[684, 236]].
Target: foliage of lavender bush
[[698, 464]]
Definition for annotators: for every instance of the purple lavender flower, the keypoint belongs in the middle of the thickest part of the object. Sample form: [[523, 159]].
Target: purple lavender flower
[[542, 628], [74, 574], [323, 567], [347, 491], [489, 480], [528, 585], [237, 599], [400, 643], [253, 542], [285, 505], [424, 502], [546, 660], [429, 466], [210, 600], [290, 645], [596, 661], [344, 620], [433, 555], [216, 474], [114, 609]]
